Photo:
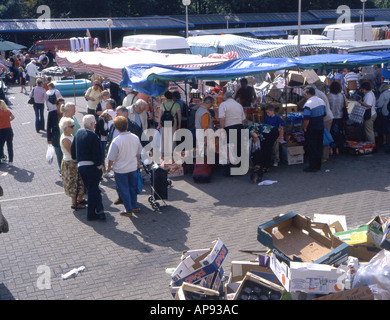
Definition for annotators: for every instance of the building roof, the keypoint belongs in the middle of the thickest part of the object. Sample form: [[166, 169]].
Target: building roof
[[157, 22]]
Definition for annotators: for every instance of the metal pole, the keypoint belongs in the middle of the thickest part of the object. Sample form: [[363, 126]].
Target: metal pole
[[110, 37], [299, 28], [363, 37], [186, 21]]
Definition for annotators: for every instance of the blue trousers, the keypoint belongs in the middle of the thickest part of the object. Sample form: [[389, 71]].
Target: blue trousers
[[6, 136], [39, 116], [127, 186], [91, 176], [313, 147]]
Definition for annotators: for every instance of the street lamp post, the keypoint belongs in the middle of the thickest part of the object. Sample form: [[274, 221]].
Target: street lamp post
[[363, 33], [109, 22], [186, 3], [227, 18], [299, 28]]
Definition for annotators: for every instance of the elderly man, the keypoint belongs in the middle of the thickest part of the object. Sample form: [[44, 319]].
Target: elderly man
[[124, 158], [86, 151], [137, 113], [32, 72], [314, 112]]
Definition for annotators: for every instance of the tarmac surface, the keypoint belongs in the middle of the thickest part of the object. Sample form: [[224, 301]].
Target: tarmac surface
[[126, 258]]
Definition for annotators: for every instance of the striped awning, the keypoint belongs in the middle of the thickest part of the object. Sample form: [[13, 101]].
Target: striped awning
[[109, 63]]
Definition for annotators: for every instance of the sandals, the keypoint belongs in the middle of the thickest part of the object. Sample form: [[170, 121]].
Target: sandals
[[79, 206], [84, 201]]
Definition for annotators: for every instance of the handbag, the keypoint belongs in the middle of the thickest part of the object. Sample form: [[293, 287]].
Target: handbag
[[31, 100], [328, 139], [140, 182], [367, 114]]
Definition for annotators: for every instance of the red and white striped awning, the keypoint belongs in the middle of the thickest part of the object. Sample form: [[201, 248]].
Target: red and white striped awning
[[109, 63]]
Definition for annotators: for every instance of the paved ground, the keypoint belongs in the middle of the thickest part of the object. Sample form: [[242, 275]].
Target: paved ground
[[126, 258]]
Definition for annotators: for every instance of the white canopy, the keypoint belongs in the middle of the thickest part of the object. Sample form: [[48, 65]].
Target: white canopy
[[109, 63]]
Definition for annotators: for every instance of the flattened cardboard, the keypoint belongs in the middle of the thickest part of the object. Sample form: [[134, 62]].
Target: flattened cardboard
[[182, 292], [361, 293], [294, 238]]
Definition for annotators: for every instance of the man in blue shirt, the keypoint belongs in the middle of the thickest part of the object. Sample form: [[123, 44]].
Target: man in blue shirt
[[313, 126]]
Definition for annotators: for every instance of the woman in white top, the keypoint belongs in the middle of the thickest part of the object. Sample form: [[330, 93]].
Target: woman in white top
[[71, 181]]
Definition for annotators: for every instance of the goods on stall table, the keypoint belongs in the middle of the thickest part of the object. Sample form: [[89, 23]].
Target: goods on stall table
[[362, 147]]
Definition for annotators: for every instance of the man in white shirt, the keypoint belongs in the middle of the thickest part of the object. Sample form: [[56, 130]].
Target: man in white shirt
[[369, 101], [124, 158], [231, 118], [32, 72]]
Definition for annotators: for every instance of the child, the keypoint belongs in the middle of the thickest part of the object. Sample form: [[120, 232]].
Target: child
[[22, 80], [274, 120]]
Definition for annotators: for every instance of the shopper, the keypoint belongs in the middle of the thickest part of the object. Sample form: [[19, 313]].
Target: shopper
[[71, 180], [93, 97], [231, 118], [277, 122], [86, 151], [40, 97], [168, 124], [369, 101], [337, 102], [6, 133], [313, 126], [124, 158]]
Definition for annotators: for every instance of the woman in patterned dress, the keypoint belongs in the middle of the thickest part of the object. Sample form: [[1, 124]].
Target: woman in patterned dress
[[71, 181]]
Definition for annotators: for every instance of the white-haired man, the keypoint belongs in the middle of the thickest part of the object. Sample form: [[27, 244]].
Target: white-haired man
[[86, 150]]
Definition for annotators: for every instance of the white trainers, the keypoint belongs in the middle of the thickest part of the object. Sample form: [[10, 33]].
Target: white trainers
[[276, 164], [108, 175], [10, 164]]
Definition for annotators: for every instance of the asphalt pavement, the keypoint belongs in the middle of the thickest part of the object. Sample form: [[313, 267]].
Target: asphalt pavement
[[126, 258]]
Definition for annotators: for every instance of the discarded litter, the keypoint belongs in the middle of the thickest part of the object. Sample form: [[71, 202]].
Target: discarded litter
[[305, 259], [266, 183], [73, 273]]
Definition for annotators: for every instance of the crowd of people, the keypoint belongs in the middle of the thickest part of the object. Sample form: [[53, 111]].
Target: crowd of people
[[109, 139]]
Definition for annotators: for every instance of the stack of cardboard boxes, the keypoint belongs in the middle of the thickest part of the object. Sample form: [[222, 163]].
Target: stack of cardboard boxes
[[305, 259]]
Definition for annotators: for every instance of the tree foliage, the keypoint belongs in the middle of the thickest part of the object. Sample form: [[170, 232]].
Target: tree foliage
[[17, 9]]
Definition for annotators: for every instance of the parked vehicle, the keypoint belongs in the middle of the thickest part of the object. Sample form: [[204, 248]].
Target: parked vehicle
[[349, 32], [157, 43], [43, 46]]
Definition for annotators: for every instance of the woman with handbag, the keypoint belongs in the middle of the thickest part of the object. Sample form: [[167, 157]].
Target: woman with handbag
[[71, 180], [369, 101], [6, 133], [338, 104], [40, 97]]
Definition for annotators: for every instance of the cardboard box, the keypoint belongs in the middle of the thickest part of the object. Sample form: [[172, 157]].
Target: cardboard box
[[295, 238], [254, 287], [295, 79], [308, 277], [292, 154], [311, 76], [189, 291], [199, 264], [239, 269], [369, 235], [385, 241], [361, 293]]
